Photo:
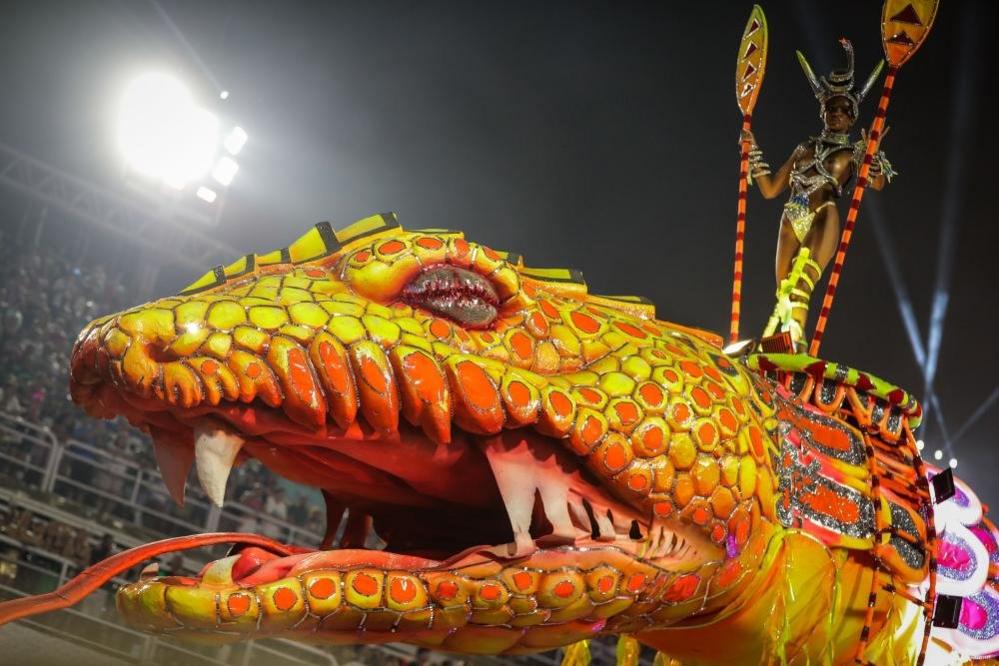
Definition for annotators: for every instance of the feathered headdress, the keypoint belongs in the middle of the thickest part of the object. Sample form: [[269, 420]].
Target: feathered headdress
[[840, 82]]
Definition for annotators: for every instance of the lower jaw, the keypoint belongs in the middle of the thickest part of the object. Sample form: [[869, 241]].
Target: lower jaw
[[362, 469], [486, 600], [472, 603]]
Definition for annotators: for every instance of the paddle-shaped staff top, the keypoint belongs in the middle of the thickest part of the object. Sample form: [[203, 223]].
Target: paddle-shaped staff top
[[904, 27], [751, 61], [905, 24], [750, 65]]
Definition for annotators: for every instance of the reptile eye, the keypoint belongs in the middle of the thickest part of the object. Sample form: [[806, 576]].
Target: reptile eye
[[460, 295]]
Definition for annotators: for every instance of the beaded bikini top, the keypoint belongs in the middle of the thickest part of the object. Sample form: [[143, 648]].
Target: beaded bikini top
[[804, 185]]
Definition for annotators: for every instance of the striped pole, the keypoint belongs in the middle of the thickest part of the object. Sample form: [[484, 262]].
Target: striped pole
[[740, 232], [905, 25], [851, 218], [750, 66]]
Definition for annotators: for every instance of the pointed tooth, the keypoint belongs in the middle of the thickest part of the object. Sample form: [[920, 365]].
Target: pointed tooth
[[662, 540], [214, 453], [651, 543], [604, 525], [376, 386], [149, 571], [665, 540], [423, 387], [330, 361], [219, 572], [654, 541], [555, 502], [591, 516], [664, 543], [671, 544], [580, 518], [514, 471], [563, 529], [621, 523], [174, 460]]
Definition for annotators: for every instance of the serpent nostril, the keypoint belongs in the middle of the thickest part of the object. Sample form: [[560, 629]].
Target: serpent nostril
[[161, 354]]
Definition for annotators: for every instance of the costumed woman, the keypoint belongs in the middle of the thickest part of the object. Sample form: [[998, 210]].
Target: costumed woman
[[816, 172]]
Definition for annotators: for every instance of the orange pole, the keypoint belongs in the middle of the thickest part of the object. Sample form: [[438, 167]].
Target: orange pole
[[740, 232], [851, 219]]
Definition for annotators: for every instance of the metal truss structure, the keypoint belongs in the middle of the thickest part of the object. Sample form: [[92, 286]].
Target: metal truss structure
[[148, 224]]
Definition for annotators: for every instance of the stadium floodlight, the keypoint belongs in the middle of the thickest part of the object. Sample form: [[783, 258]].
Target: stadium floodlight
[[953, 463], [225, 170], [235, 140], [224, 94], [938, 455], [920, 444], [163, 133], [206, 194]]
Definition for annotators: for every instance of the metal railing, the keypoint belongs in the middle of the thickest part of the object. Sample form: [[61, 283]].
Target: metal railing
[[107, 485], [94, 624], [28, 450]]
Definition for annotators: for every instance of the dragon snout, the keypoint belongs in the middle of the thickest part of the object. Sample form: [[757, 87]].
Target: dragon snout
[[126, 354], [89, 361], [89, 371], [316, 378]]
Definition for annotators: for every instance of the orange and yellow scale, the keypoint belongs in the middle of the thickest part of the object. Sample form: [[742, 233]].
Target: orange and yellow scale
[[319, 332]]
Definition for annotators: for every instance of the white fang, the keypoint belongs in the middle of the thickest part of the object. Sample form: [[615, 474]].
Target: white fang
[[214, 453]]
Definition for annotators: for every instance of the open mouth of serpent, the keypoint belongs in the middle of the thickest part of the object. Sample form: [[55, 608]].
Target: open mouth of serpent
[[501, 497]]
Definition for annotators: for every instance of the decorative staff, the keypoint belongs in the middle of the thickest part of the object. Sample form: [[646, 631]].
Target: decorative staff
[[905, 25], [815, 175], [749, 69]]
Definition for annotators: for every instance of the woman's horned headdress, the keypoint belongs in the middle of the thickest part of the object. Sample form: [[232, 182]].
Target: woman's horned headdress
[[840, 82]]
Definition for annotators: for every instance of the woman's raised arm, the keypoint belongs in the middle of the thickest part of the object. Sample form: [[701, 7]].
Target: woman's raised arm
[[771, 185]]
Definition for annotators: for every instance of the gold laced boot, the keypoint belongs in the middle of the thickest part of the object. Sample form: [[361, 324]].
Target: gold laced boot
[[793, 295]]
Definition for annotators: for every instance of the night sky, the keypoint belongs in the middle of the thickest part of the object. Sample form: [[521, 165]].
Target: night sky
[[597, 136]]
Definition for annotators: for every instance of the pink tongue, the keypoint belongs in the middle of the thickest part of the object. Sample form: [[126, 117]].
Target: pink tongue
[[257, 566], [268, 571], [251, 559], [338, 559]]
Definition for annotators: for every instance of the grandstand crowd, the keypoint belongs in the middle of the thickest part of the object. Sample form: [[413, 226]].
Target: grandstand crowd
[[102, 490], [46, 297]]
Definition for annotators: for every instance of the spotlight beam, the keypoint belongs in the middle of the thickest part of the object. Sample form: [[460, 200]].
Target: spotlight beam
[[890, 258], [965, 68], [938, 415], [977, 414]]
